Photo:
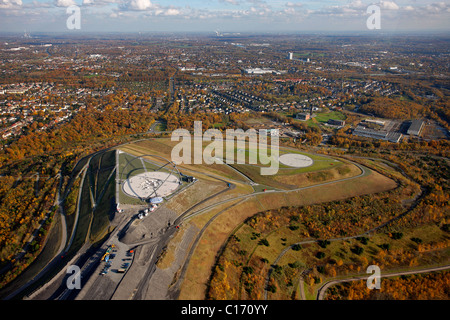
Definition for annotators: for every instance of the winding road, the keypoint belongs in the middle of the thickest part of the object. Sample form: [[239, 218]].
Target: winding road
[[322, 290]]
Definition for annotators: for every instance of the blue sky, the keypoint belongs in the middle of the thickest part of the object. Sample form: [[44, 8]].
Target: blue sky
[[224, 15]]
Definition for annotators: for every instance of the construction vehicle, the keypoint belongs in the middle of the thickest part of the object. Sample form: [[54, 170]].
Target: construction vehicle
[[108, 251]]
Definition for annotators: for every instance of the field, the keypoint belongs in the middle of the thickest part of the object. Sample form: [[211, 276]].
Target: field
[[324, 169], [322, 118], [204, 259], [289, 253], [95, 201]]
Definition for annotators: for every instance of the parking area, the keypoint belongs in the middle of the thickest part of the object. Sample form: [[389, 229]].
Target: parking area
[[117, 262], [117, 257]]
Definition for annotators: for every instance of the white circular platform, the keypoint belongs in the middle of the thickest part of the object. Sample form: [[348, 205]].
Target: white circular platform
[[154, 184], [296, 160]]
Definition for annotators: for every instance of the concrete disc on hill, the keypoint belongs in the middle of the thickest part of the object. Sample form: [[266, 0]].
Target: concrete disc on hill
[[151, 184], [296, 160]]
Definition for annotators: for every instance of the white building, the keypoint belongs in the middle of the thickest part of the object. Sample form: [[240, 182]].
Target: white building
[[258, 71]]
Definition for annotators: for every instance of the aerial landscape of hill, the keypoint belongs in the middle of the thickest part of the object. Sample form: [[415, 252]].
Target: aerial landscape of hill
[[250, 165]]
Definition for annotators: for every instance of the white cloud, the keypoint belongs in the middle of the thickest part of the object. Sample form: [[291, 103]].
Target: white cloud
[[140, 5], [10, 4], [439, 7], [431, 9], [100, 3], [389, 5], [246, 14], [148, 8], [172, 12], [294, 5], [64, 3]]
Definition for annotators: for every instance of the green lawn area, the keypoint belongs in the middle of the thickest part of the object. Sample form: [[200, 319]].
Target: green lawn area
[[218, 125], [324, 117], [254, 171], [94, 223], [320, 162], [161, 127], [107, 163], [129, 166], [84, 218], [105, 208]]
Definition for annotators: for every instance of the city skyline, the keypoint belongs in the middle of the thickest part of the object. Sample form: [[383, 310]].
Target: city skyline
[[222, 15]]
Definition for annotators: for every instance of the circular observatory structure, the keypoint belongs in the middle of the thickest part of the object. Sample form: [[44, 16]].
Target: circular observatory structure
[[156, 182]]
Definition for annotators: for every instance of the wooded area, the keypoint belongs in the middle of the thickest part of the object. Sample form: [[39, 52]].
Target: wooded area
[[431, 286]]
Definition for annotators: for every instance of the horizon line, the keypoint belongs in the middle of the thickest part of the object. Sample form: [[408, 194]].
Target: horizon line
[[226, 34]]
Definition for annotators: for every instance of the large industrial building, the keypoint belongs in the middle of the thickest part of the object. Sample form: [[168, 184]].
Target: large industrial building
[[416, 127], [377, 134], [259, 71]]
